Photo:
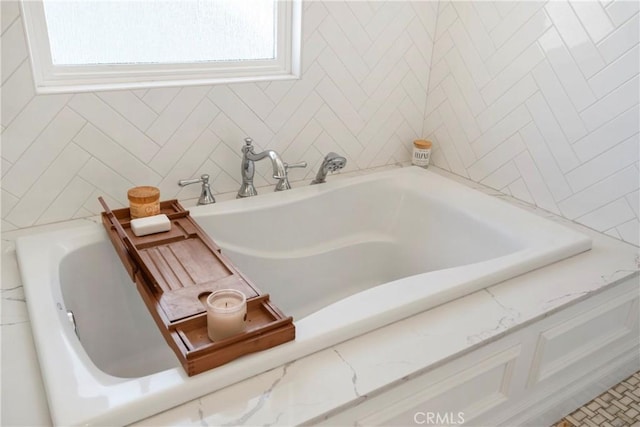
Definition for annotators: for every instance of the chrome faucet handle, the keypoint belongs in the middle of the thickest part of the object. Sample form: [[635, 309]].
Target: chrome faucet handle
[[206, 197], [283, 183]]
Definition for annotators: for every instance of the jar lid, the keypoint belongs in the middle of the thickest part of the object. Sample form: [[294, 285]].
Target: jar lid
[[422, 143], [144, 194]]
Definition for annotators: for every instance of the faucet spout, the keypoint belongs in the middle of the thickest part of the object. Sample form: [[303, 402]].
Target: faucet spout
[[276, 161], [249, 157]]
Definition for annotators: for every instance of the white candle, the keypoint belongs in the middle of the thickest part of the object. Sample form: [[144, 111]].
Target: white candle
[[226, 313]]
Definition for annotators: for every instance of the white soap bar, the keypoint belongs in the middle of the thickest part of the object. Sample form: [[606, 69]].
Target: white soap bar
[[150, 225]]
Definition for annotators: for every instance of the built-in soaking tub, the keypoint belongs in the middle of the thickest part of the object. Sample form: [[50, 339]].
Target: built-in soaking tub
[[343, 258]]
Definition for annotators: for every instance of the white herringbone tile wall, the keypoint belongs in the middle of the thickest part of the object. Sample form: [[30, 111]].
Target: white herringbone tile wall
[[540, 100], [362, 94]]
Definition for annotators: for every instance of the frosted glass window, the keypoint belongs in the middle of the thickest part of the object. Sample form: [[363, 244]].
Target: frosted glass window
[[92, 45], [134, 32]]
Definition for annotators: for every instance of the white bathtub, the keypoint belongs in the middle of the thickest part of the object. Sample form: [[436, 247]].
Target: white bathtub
[[343, 258]]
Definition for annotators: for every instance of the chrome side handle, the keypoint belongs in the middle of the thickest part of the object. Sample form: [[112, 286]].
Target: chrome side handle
[[283, 183], [206, 197]]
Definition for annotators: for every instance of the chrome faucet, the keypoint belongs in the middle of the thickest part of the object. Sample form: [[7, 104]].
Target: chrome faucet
[[247, 168], [206, 197], [331, 163], [283, 183]]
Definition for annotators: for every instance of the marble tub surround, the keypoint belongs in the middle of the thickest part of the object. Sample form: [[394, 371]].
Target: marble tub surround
[[341, 376]]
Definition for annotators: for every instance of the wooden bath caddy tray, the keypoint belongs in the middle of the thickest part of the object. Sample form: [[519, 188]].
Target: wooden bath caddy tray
[[175, 271]]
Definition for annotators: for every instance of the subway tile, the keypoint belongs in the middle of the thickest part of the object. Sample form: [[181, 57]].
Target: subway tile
[[29, 123], [387, 37], [14, 49], [502, 177], [560, 104], [487, 13], [608, 216], [379, 99], [68, 201], [312, 18], [386, 65], [512, 74], [566, 70], [103, 148], [535, 183], [594, 19], [340, 44], [460, 107], [17, 91], [427, 13], [624, 126], [305, 113], [349, 24], [438, 73], [432, 122], [603, 192], [519, 190], [9, 12], [96, 111], [457, 136], [621, 40], [548, 126], [190, 165], [383, 12], [616, 73], [224, 99], [8, 202], [254, 98], [469, 54], [130, 106], [630, 232], [416, 90], [634, 201], [607, 163], [497, 157], [446, 16], [436, 97], [508, 102], [621, 10], [465, 82], [613, 104], [449, 152], [106, 180], [334, 127], [48, 186], [441, 46], [506, 127], [514, 46], [188, 132], [175, 113], [572, 32], [286, 106], [159, 98], [545, 162], [333, 66], [42, 152], [511, 23], [470, 19]]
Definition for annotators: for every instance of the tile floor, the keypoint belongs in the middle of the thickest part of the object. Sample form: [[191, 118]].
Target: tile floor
[[619, 406]]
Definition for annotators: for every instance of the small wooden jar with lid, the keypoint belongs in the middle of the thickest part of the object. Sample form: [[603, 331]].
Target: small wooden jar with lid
[[421, 153], [143, 201]]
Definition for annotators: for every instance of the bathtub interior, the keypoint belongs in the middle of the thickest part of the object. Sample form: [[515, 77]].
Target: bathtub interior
[[114, 326], [309, 254]]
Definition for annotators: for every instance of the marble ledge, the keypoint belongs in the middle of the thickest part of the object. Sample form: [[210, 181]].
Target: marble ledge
[[339, 377]]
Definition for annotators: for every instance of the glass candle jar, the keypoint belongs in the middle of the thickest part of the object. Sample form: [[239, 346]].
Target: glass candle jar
[[226, 313], [421, 153], [143, 201]]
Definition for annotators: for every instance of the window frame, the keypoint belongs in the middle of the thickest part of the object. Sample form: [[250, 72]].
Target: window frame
[[50, 78]]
